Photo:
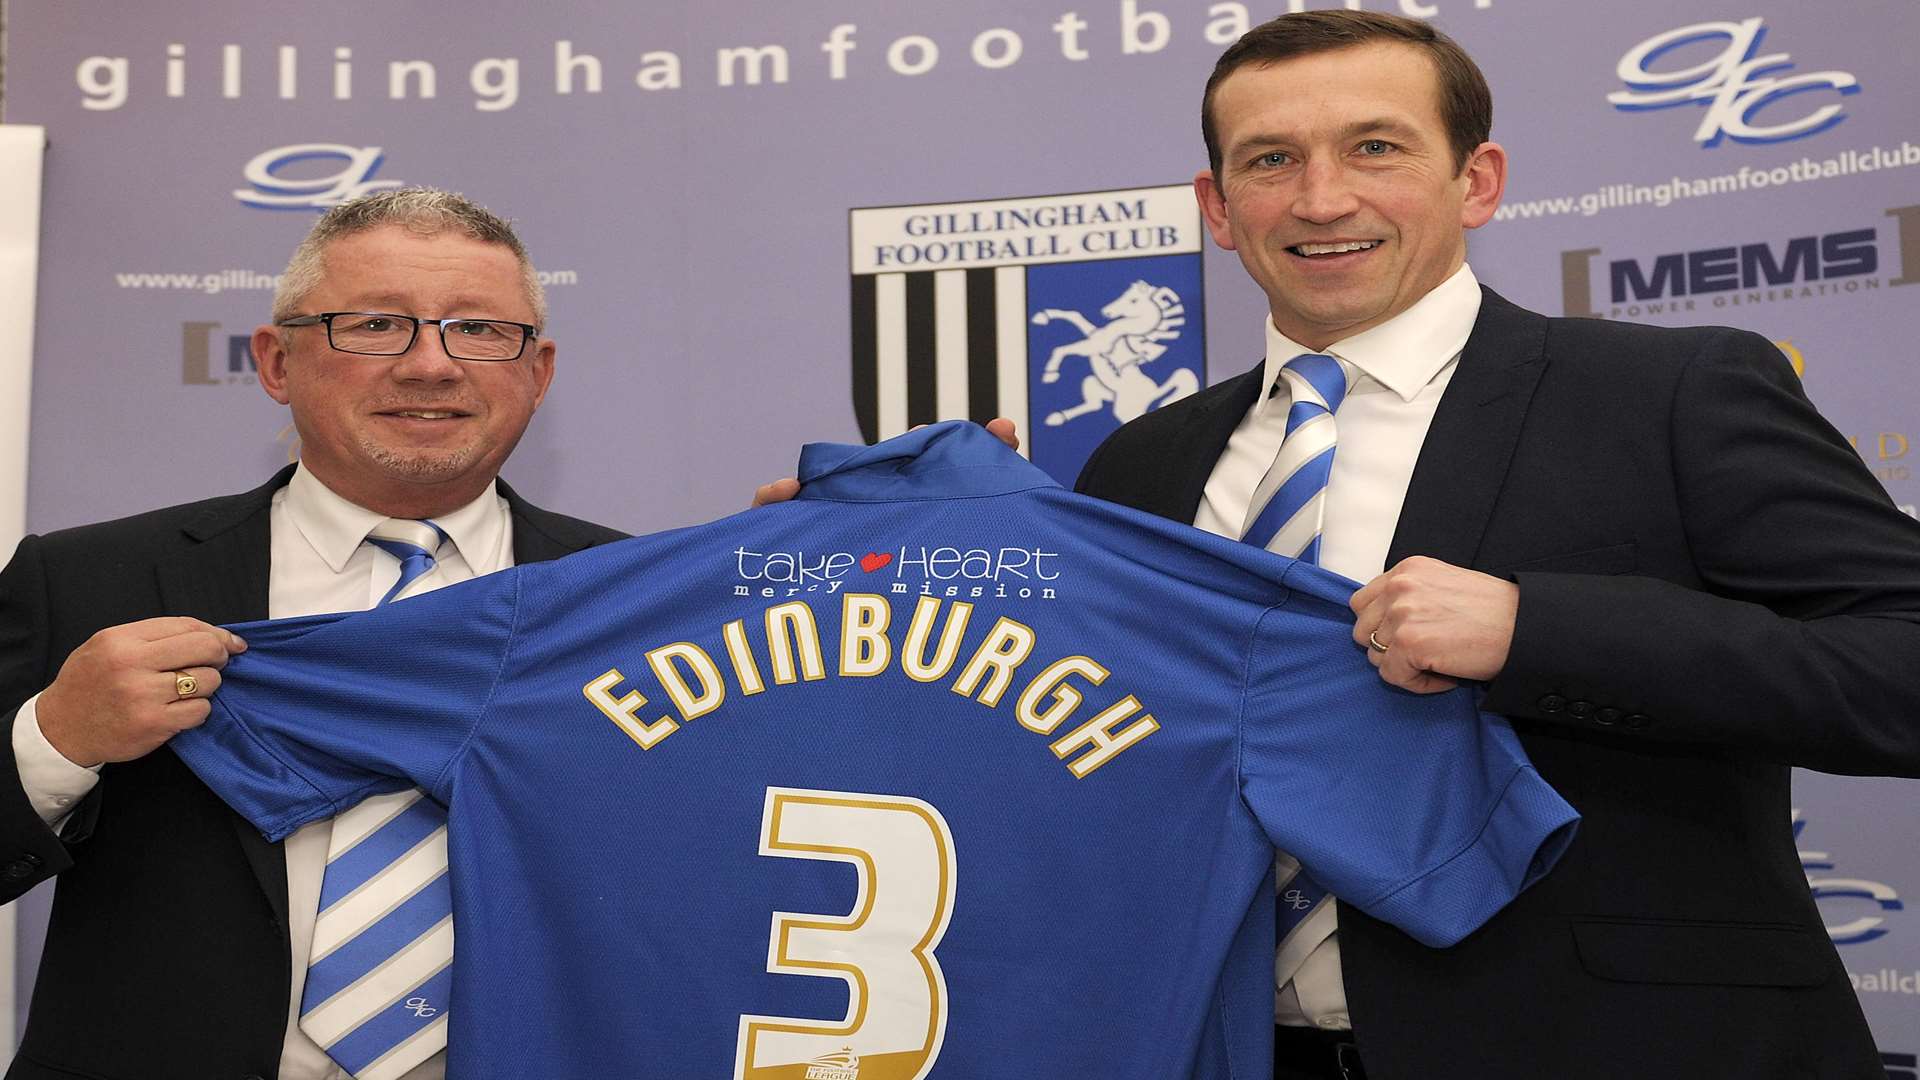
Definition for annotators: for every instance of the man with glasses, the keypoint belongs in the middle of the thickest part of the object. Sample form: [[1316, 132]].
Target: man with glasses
[[406, 341]]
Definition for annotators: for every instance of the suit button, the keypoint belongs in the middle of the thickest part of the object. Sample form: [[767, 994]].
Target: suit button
[[1552, 703], [1638, 720], [22, 867], [1579, 710], [1608, 716]]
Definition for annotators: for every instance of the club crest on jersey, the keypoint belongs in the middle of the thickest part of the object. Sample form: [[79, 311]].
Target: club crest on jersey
[[1072, 314]]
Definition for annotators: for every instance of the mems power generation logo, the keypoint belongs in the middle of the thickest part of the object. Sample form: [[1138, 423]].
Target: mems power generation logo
[[1855, 258]]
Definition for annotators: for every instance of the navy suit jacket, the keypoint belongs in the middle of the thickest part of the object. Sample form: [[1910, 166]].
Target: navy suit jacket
[[1712, 588], [167, 956]]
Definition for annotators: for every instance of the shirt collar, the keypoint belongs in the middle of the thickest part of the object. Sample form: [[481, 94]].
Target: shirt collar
[[335, 527], [1405, 352], [954, 459]]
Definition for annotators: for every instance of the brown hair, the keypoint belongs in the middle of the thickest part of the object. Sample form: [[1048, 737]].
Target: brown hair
[[1466, 105]]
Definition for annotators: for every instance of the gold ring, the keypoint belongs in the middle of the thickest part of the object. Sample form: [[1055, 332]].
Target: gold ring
[[1375, 642], [184, 684]]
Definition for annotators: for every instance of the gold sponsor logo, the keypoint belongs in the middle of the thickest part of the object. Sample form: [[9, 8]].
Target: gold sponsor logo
[[1886, 453], [1794, 356]]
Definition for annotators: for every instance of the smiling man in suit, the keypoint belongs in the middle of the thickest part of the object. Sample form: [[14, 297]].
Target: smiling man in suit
[[406, 341], [1673, 575]]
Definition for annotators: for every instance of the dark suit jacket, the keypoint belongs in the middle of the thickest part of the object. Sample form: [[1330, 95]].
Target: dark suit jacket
[[1712, 587], [167, 954]]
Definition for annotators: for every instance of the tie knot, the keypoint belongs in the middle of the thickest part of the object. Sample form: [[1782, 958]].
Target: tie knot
[[413, 543], [1318, 378], [423, 537]]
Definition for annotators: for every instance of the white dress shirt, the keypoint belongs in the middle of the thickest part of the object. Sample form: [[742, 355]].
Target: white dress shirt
[[1400, 369], [318, 564]]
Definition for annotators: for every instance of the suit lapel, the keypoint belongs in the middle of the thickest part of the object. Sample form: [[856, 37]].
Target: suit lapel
[[1464, 461], [1197, 445], [539, 536], [220, 575]]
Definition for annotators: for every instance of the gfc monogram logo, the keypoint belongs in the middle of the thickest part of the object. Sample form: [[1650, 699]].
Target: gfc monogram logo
[[418, 1006], [1736, 85], [273, 189], [1878, 896], [1296, 899]]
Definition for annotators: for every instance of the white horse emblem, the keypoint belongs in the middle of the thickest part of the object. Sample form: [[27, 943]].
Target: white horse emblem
[[1139, 320]]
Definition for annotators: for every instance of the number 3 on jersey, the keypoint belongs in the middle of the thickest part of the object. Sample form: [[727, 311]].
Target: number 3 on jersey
[[883, 949]]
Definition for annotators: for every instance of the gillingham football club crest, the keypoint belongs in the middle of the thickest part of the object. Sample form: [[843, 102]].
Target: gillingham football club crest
[[1071, 314]]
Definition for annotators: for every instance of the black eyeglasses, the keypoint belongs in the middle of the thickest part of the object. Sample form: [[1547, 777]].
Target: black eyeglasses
[[379, 333]]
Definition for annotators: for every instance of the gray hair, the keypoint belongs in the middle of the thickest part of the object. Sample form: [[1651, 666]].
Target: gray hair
[[423, 211]]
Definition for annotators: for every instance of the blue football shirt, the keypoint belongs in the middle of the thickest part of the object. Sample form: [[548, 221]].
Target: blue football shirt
[[937, 771]]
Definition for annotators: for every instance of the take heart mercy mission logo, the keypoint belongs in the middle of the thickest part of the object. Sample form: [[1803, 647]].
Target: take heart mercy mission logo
[[962, 572]]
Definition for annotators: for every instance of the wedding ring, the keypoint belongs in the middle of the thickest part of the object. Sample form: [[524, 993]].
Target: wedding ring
[[1376, 642]]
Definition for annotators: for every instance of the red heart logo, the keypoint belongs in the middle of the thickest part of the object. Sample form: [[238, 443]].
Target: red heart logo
[[873, 560]]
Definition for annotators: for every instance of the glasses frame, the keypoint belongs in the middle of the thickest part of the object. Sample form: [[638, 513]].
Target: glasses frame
[[325, 318]]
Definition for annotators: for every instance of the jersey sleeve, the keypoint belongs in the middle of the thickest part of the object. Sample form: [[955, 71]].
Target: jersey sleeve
[[1416, 808], [321, 712]]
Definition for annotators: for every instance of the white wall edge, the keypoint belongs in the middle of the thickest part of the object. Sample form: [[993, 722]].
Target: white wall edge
[[22, 155]]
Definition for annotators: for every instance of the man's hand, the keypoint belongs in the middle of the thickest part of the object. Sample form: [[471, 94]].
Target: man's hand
[[1006, 431], [118, 696], [1427, 624], [777, 492], [786, 488]]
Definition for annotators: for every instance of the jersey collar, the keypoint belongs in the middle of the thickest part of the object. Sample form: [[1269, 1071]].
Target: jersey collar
[[951, 460]]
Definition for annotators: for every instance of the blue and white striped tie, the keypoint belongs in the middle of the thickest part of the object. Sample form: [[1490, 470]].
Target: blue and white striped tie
[[1291, 498], [1291, 502], [382, 960], [413, 543]]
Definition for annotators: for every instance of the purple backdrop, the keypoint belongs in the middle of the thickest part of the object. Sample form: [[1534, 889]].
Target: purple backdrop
[[1672, 163]]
